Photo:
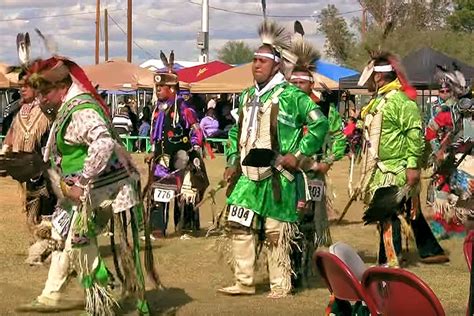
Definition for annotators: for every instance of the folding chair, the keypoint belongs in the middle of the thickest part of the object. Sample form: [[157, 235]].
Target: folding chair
[[468, 244], [340, 280], [350, 257], [468, 249], [400, 292]]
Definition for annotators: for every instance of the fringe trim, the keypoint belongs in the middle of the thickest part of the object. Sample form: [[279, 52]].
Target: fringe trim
[[287, 240], [223, 248], [450, 212], [99, 300], [40, 124]]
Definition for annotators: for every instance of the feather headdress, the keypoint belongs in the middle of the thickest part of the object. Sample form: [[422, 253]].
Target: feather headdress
[[387, 62], [453, 79], [167, 77], [305, 53], [278, 38], [48, 41]]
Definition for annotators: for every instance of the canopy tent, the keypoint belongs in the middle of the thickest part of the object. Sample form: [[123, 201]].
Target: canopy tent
[[9, 80], [333, 71], [119, 75], [157, 65], [201, 72], [239, 78], [420, 67]]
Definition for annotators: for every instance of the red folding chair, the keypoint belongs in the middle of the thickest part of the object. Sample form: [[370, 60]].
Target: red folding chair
[[340, 280], [400, 292], [468, 241], [468, 249]]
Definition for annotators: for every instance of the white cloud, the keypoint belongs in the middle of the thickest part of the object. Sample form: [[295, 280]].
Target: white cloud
[[157, 25]]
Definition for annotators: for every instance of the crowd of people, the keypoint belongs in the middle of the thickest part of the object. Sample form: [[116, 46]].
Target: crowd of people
[[285, 138]]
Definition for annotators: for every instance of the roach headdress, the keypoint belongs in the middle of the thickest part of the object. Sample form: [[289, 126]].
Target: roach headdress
[[278, 38], [382, 62]]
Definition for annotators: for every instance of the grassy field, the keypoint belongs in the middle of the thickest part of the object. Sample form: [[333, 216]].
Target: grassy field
[[191, 272]]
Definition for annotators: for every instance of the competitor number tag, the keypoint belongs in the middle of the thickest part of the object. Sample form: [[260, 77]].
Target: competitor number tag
[[316, 190], [161, 195], [60, 221], [240, 215]]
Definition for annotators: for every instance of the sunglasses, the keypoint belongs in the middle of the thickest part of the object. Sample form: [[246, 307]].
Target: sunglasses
[[444, 91]]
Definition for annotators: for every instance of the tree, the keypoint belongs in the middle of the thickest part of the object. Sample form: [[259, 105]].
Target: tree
[[339, 39], [235, 52], [462, 19]]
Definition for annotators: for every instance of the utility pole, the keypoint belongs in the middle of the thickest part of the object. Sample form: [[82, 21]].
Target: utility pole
[[106, 36], [129, 31], [97, 31], [203, 36]]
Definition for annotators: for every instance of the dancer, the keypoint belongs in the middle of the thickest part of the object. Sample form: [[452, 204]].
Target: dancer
[[314, 225], [176, 139], [28, 133], [392, 150], [96, 182], [263, 201]]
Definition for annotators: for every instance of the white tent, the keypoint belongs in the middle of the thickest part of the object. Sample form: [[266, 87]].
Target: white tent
[[155, 64]]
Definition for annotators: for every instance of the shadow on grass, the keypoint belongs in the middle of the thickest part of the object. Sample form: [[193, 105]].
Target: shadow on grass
[[162, 302], [344, 222]]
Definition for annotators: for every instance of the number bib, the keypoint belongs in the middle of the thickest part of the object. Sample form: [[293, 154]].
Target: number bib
[[161, 195], [240, 215], [316, 189], [61, 221]]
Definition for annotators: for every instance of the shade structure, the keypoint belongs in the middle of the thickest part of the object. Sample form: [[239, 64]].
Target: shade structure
[[201, 72], [119, 75], [420, 67], [333, 71], [7, 80], [239, 78]]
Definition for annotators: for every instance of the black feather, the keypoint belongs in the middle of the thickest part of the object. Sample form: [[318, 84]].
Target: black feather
[[298, 28], [19, 39], [27, 40], [171, 62], [383, 205], [164, 60]]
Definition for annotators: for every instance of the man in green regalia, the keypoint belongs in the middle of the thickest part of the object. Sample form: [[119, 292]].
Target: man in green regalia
[[314, 224], [96, 182], [391, 157], [264, 199]]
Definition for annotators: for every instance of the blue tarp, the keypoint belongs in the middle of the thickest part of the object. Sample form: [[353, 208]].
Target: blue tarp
[[333, 71]]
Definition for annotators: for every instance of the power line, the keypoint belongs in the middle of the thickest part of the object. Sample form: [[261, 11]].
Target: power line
[[272, 16], [134, 42], [53, 16]]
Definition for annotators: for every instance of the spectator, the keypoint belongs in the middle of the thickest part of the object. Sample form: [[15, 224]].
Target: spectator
[[122, 123], [210, 125], [350, 127], [211, 104], [133, 118], [144, 130]]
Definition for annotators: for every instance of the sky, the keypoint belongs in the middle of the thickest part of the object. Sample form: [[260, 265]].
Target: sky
[[157, 25]]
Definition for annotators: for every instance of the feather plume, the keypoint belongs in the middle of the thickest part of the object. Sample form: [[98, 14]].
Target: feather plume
[[306, 53], [164, 60], [298, 28], [49, 42], [264, 9], [23, 46], [455, 79], [274, 35], [171, 62]]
